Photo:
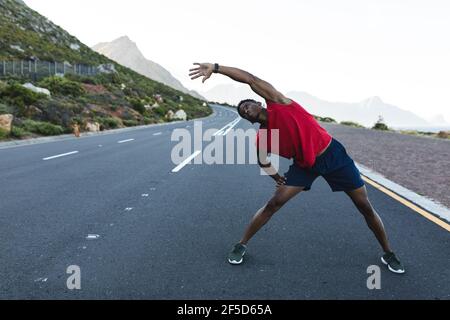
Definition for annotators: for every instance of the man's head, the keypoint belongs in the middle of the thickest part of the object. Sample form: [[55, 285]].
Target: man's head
[[250, 110]]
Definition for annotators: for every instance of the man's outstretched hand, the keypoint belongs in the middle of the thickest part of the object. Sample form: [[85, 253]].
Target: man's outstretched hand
[[204, 70]]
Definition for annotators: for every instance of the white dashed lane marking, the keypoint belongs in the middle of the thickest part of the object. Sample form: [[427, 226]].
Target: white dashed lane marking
[[60, 155], [125, 141]]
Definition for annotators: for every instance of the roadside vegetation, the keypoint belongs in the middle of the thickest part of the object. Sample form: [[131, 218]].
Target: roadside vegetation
[[352, 124]]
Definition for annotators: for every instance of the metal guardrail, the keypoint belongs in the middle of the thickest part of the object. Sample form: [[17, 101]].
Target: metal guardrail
[[41, 69]]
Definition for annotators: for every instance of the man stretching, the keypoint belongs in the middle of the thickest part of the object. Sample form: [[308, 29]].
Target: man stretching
[[314, 151]]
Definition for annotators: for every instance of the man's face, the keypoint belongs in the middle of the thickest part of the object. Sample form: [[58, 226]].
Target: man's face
[[250, 111]]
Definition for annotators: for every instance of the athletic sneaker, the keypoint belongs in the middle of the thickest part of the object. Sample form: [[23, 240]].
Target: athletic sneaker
[[236, 256], [394, 265]]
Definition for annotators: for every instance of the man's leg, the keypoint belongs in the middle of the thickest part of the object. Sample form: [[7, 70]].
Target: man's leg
[[361, 201], [282, 195]]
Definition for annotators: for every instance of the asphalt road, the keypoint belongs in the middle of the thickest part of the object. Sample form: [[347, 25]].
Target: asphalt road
[[164, 235]]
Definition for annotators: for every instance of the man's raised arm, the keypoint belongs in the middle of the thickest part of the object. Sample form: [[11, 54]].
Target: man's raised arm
[[260, 87]]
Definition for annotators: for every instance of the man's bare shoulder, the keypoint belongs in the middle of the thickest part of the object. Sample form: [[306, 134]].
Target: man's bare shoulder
[[281, 100]]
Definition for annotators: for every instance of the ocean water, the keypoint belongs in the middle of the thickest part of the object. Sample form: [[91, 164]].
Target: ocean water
[[434, 129]]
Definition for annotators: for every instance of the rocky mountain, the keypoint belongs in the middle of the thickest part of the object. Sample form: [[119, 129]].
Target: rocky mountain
[[127, 53]]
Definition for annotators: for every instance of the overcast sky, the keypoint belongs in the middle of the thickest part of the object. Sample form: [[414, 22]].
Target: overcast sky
[[345, 50]]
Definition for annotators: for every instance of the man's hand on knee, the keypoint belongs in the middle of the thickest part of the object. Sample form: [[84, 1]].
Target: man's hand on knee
[[280, 180]]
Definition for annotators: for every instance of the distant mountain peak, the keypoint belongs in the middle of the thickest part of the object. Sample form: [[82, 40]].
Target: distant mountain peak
[[124, 40], [375, 100], [125, 51]]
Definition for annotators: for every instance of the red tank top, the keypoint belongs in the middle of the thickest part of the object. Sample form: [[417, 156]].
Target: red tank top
[[300, 135]]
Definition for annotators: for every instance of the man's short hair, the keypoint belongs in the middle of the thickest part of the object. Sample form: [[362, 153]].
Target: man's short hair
[[241, 103]]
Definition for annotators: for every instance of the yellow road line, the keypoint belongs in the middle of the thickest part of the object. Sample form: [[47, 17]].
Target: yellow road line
[[409, 204]]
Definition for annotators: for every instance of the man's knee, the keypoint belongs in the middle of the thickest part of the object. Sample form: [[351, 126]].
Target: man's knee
[[274, 205], [282, 195], [363, 204]]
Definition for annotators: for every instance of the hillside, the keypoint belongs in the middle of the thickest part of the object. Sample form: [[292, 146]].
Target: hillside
[[127, 53], [115, 97]]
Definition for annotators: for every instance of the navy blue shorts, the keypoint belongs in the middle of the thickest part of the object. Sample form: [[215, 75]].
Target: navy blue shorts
[[335, 166]]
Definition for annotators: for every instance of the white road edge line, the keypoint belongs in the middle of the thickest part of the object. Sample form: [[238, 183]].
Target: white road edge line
[[185, 162], [428, 204], [60, 155]]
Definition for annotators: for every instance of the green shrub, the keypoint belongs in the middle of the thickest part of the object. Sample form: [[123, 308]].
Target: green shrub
[[160, 111], [43, 128], [425, 133], [137, 105], [16, 94], [110, 123], [325, 119], [62, 86], [328, 120], [18, 132], [3, 134], [4, 109], [352, 124], [410, 132], [149, 121], [380, 125], [130, 123]]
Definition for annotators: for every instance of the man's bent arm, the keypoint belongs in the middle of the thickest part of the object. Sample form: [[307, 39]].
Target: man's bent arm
[[271, 171]]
